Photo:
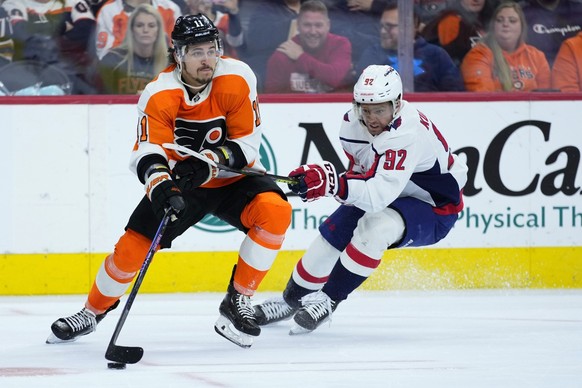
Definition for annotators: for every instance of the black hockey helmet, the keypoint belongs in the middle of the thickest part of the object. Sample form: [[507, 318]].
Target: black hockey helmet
[[193, 29]]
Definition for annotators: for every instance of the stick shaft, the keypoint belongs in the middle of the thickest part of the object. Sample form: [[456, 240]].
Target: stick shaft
[[197, 155], [111, 353]]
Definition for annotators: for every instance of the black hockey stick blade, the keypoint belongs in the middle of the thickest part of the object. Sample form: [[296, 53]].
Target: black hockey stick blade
[[133, 354], [124, 354]]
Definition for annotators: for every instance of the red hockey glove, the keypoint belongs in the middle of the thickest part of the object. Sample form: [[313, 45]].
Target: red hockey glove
[[164, 194], [315, 181]]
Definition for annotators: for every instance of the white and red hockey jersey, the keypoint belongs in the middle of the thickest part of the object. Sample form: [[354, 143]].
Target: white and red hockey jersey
[[409, 159], [113, 18]]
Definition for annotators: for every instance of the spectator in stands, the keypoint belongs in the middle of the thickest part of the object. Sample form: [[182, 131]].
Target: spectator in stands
[[551, 22], [459, 27], [567, 69], [6, 44], [357, 20], [428, 10], [224, 15], [128, 68], [68, 22], [183, 5], [433, 69], [112, 21], [503, 61], [96, 5], [32, 77], [271, 24], [314, 61]]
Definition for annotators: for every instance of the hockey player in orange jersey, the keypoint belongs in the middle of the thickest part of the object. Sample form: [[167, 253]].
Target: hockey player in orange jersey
[[208, 104]]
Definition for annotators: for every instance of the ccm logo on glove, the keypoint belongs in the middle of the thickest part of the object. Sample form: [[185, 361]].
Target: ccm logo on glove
[[315, 181], [331, 178]]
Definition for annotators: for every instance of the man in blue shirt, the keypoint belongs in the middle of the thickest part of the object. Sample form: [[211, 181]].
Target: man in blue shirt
[[433, 68]]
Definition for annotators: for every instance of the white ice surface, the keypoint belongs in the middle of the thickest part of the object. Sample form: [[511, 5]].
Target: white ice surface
[[494, 338]]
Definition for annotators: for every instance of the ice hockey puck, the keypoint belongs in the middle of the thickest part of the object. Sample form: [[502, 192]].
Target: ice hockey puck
[[115, 365]]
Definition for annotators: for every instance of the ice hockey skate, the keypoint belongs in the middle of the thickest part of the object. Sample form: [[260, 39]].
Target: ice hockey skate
[[317, 309], [68, 329], [273, 310], [237, 321]]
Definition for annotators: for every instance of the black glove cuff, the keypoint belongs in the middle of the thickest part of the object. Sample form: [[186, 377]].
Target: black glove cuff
[[148, 161], [156, 167], [224, 155], [237, 158]]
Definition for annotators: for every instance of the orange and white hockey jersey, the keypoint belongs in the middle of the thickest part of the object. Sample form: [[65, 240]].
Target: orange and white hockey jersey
[[113, 18], [227, 109]]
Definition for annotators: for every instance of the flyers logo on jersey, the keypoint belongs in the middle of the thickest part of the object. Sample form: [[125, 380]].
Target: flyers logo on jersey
[[198, 135]]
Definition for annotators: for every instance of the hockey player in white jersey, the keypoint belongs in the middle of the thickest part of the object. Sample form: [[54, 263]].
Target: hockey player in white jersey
[[403, 188]]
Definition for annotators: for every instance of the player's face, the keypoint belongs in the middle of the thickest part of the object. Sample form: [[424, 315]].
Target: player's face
[[389, 29], [145, 29], [507, 28], [377, 116], [313, 29], [199, 63]]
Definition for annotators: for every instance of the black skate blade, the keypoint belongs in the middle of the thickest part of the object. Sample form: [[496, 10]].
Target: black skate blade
[[124, 354]]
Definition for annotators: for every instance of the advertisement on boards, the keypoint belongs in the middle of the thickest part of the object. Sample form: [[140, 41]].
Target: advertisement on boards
[[524, 184]]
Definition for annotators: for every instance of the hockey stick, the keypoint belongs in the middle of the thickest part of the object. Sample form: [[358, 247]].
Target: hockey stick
[[188, 151], [132, 354]]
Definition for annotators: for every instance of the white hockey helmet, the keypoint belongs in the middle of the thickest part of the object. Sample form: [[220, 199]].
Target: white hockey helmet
[[378, 84]]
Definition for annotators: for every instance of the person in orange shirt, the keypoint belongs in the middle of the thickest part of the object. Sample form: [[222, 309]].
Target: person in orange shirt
[[567, 69], [502, 61], [206, 103]]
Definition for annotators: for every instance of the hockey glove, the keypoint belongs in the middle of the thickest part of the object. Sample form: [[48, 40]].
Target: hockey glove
[[315, 181], [164, 194], [192, 173]]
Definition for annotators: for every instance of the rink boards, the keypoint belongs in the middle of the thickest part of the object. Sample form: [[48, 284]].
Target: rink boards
[[67, 194]]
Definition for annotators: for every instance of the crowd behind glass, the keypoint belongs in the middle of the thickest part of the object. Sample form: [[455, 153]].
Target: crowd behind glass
[[56, 47]]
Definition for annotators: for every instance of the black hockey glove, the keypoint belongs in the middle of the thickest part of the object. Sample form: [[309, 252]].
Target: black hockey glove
[[164, 194], [192, 172]]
